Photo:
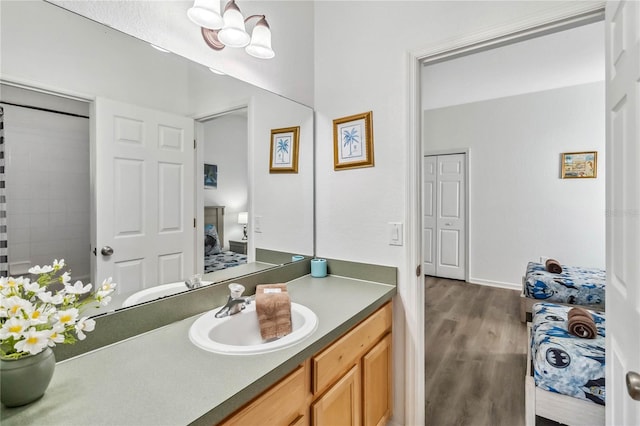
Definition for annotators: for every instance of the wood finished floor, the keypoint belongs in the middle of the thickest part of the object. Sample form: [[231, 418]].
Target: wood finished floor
[[475, 355]]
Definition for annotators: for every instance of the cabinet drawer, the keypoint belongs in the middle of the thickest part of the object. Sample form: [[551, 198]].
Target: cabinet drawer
[[282, 405], [332, 362]]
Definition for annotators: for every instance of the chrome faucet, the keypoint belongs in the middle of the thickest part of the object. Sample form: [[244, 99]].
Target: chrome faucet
[[235, 303], [194, 282]]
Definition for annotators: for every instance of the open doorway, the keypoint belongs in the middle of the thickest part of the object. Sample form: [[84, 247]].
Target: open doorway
[[515, 109], [223, 138]]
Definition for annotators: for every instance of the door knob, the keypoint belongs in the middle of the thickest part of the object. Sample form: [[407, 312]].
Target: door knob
[[106, 251], [633, 385], [448, 224]]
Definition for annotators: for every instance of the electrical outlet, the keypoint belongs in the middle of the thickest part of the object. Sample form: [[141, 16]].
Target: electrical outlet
[[395, 234]]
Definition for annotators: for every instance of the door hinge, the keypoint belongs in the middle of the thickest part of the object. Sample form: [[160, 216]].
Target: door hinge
[[194, 222], [419, 270], [195, 144]]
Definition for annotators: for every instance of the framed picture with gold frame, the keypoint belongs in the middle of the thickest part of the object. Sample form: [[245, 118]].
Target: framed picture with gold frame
[[353, 141], [579, 165], [284, 150]]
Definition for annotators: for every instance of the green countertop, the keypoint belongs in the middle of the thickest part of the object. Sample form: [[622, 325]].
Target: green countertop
[[161, 378]]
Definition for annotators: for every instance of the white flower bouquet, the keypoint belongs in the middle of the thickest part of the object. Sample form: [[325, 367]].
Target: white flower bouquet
[[34, 317]]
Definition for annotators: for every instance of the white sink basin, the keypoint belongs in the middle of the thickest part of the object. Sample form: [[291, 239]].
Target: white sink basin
[[153, 293], [239, 334]]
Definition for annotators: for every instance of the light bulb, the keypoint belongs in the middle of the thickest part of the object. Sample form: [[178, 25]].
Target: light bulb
[[206, 13], [233, 34], [260, 46]]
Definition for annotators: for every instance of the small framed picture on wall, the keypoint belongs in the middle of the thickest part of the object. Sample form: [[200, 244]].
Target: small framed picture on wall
[[210, 176], [284, 150], [579, 165], [353, 141]]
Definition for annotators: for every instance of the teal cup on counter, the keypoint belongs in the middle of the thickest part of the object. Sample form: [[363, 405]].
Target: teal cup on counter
[[318, 268]]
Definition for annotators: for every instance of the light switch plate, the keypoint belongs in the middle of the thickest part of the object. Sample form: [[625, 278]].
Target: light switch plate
[[395, 233], [257, 224]]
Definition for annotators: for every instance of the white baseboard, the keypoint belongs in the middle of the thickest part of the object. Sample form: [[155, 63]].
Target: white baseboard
[[508, 286]]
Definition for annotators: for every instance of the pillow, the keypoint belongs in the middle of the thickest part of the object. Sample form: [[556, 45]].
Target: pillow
[[211, 240]]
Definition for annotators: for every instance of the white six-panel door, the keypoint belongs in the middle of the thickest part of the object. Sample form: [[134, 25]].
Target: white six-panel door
[[145, 210], [444, 233], [429, 222], [623, 207]]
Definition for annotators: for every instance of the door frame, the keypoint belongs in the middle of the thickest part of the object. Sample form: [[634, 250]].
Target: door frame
[[198, 134], [452, 151], [558, 18]]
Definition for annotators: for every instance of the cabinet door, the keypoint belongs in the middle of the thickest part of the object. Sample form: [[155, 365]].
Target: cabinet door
[[340, 405], [376, 384], [282, 405]]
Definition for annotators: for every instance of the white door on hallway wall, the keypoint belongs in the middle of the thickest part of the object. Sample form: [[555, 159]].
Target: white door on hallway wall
[[144, 175], [623, 204], [443, 211]]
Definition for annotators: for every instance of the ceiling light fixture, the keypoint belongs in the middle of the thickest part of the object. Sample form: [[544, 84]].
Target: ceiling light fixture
[[229, 29]]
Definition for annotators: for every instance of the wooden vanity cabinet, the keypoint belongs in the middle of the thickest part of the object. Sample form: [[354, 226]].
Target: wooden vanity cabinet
[[284, 404], [347, 383], [351, 378]]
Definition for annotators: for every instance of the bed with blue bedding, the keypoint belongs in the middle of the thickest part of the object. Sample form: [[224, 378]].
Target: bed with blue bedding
[[575, 285], [566, 377], [223, 260], [215, 259]]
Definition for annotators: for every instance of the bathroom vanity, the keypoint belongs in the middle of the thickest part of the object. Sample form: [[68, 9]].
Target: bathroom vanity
[[160, 377], [347, 382]]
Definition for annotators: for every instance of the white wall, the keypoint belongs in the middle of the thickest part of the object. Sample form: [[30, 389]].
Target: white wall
[[165, 24], [284, 201], [565, 58], [226, 145], [519, 207], [103, 63]]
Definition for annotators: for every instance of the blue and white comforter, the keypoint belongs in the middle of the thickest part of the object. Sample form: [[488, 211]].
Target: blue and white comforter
[[564, 363], [227, 259], [575, 285]]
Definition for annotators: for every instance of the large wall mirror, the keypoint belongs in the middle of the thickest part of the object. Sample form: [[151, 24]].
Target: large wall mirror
[[102, 169]]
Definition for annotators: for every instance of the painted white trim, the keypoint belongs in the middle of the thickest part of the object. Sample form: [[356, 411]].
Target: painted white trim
[[561, 17], [446, 151], [24, 83], [573, 14], [499, 284], [412, 295]]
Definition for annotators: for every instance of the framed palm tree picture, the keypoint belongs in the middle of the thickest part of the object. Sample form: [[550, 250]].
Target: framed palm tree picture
[[284, 150], [353, 141]]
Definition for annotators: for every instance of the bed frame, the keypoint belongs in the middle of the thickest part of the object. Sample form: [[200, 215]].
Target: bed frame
[[214, 215], [526, 304], [554, 406]]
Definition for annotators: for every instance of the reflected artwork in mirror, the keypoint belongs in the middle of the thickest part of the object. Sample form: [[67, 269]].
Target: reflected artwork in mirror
[[106, 142]]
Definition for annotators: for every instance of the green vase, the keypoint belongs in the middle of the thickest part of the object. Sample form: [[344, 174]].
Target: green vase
[[25, 379]]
